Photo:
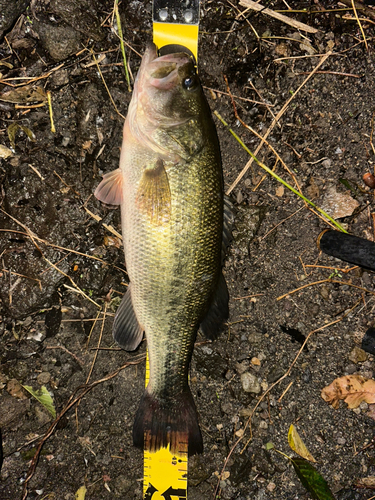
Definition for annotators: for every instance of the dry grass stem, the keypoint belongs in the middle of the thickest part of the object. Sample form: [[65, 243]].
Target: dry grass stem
[[281, 222], [327, 280], [99, 342], [36, 171], [106, 86], [261, 138], [53, 130], [240, 98], [286, 390], [34, 238], [249, 4], [109, 228], [275, 120], [79, 361]]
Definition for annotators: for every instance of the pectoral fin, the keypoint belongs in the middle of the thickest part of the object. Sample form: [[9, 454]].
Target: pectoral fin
[[154, 195], [127, 332], [110, 189]]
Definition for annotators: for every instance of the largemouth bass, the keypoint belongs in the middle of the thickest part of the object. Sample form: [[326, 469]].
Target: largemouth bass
[[170, 188]]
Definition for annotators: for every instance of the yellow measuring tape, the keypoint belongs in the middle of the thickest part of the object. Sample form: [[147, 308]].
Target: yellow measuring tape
[[165, 474]]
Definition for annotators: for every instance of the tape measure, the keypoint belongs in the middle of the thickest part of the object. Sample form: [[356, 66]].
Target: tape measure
[[175, 29]]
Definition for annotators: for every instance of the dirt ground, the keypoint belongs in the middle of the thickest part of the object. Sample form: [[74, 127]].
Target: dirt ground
[[61, 258]]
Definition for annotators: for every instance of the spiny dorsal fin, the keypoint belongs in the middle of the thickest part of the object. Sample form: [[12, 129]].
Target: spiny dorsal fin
[[154, 195], [110, 189]]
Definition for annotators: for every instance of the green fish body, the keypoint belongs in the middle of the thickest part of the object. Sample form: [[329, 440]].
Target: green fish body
[[170, 188]]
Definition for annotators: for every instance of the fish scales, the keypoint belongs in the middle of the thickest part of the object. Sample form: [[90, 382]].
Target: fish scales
[[170, 188]]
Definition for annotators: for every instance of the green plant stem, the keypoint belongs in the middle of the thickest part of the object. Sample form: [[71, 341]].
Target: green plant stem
[[277, 177], [119, 29]]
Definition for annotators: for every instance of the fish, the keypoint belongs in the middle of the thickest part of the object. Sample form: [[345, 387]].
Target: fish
[[175, 225]]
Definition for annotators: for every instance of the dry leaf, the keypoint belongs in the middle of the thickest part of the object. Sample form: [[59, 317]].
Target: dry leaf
[[5, 152], [366, 482], [338, 205], [297, 445], [23, 95], [353, 389]]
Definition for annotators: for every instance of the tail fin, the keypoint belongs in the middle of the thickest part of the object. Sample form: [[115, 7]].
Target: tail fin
[[160, 422]]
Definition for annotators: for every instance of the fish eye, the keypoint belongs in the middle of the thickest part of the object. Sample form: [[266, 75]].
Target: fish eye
[[190, 82]]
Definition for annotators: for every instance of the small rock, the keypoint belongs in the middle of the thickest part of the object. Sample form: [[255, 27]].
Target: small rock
[[364, 406], [324, 292], [350, 369], [60, 40], [250, 383], [357, 355], [263, 424], [306, 375], [255, 338], [43, 378], [326, 163], [255, 361], [15, 389], [275, 374], [341, 440], [242, 367], [271, 486]]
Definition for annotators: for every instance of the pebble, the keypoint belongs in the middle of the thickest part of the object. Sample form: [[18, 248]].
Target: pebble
[[363, 406], [263, 424], [250, 383], [271, 486], [255, 361], [357, 355], [350, 369], [242, 367], [341, 440], [43, 378]]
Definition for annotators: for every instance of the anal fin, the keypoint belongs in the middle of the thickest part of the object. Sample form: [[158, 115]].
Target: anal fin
[[127, 332], [218, 311]]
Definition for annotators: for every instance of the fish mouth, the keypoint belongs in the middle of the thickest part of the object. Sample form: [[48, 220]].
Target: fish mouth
[[163, 70]]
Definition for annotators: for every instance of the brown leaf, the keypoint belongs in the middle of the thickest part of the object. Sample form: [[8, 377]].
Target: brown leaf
[[353, 389], [23, 95], [366, 482]]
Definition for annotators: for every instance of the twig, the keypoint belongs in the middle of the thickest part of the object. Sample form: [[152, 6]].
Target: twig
[[74, 398], [359, 23], [99, 341], [359, 6], [330, 73], [281, 222], [238, 97], [67, 351], [328, 280], [275, 120], [280, 17], [53, 130], [33, 238], [260, 137], [105, 85]]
